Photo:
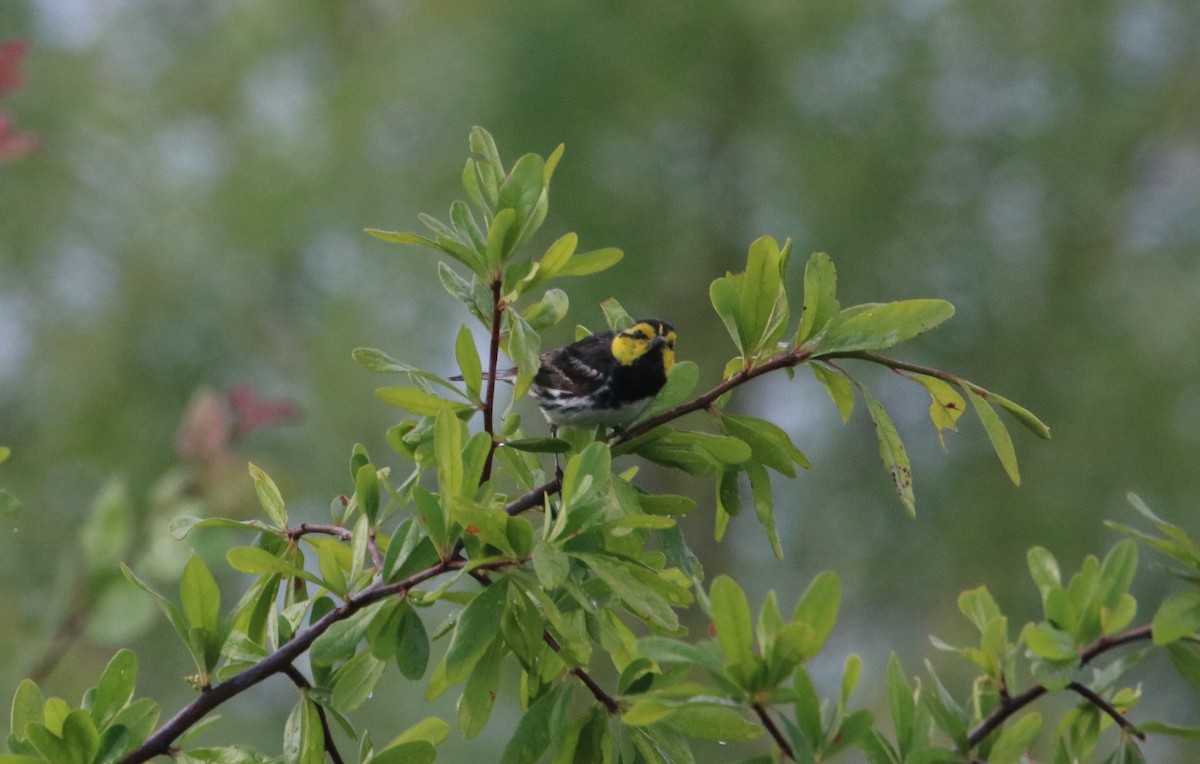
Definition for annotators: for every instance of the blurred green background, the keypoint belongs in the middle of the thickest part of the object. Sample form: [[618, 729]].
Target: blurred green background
[[194, 215]]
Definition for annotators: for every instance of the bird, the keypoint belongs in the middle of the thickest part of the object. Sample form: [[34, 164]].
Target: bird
[[606, 379]]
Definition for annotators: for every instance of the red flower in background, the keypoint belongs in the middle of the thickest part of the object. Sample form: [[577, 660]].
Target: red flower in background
[[11, 54], [13, 143]]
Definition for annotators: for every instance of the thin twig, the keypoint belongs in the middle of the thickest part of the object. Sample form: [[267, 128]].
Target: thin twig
[[774, 731], [597, 691], [305, 529], [1002, 712], [1106, 707], [897, 365], [68, 630], [376, 555], [784, 361], [160, 742], [302, 682]]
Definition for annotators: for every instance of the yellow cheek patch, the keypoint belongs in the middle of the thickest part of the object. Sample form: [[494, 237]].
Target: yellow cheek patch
[[628, 349], [668, 359]]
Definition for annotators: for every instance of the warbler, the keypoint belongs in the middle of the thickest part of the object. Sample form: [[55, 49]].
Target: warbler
[[606, 379]]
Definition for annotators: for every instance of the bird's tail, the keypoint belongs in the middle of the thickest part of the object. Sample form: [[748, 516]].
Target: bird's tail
[[504, 375]]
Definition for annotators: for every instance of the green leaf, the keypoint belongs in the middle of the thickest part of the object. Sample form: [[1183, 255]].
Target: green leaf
[[818, 607], [475, 630], [1045, 641], [551, 565], [1186, 657], [669, 650], [648, 595], [81, 736], [431, 729], [166, 606], [695, 452], [946, 712], [303, 739], [807, 709], [978, 606], [413, 752], [681, 381], [1177, 617], [997, 433], [366, 490], [5, 452], [1043, 568], [731, 619], [269, 497], [26, 708], [1174, 730], [726, 296], [764, 505], [354, 682], [947, 405], [839, 387], [820, 296], [1016, 740], [903, 706], [9, 504], [251, 559], [547, 312], [712, 722], [521, 191], [479, 694], [763, 310], [587, 263], [340, 640], [1022, 415], [468, 361], [557, 255], [412, 653], [539, 445], [488, 524], [891, 451], [180, 527], [666, 505], [537, 726], [107, 532], [769, 443], [498, 235], [487, 162], [200, 596], [615, 315], [878, 327], [523, 346], [380, 362], [419, 402]]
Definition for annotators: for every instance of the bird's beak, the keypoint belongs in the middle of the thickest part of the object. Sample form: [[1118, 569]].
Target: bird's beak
[[658, 341]]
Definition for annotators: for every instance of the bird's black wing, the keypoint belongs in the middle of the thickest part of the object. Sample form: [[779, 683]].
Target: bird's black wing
[[579, 368]]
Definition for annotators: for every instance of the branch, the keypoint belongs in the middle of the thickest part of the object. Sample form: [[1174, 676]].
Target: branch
[[1002, 712], [489, 402], [302, 682], [784, 361], [325, 530], [68, 630], [597, 691], [1106, 707], [774, 731], [534, 497], [160, 742], [896, 365]]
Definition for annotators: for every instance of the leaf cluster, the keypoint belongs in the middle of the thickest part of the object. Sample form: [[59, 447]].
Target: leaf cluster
[[565, 575]]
